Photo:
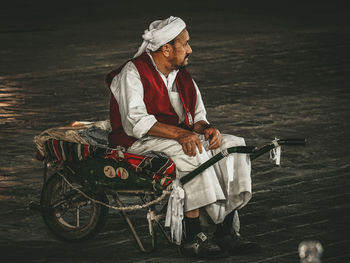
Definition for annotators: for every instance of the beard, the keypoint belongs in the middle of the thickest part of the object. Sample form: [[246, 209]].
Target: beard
[[183, 63]]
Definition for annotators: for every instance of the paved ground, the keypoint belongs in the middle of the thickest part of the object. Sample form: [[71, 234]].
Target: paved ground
[[263, 72]]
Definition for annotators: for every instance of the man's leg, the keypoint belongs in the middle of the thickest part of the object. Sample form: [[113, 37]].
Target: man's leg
[[197, 243], [204, 189], [192, 224], [201, 191], [230, 240], [225, 227], [234, 176]]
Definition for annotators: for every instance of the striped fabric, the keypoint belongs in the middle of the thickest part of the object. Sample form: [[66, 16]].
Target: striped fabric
[[61, 151], [155, 165]]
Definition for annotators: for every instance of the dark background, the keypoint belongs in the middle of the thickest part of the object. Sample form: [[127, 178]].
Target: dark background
[[265, 69]]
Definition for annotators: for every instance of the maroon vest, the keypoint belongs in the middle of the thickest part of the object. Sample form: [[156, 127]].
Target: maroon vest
[[156, 99]]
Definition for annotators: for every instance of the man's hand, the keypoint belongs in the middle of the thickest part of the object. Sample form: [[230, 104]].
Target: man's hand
[[189, 142], [213, 135], [210, 133]]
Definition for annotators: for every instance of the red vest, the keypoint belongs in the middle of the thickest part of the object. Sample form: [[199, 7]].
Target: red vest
[[156, 99]]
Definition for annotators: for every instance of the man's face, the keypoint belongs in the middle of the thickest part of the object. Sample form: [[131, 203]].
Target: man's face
[[180, 50]]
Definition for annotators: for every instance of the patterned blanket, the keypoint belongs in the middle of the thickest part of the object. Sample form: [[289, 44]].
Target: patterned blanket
[[112, 165]]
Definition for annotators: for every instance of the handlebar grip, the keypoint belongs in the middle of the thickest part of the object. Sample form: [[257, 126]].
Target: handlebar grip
[[292, 141]]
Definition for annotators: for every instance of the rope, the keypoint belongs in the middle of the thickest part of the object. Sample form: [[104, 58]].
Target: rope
[[124, 208]]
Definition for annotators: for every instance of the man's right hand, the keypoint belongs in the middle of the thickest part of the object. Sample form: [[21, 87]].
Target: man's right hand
[[190, 142]]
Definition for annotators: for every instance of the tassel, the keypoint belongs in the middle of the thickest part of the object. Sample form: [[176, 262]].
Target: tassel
[[275, 153], [175, 214]]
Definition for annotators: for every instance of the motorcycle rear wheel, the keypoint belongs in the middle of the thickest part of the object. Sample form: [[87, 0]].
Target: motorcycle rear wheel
[[68, 214]]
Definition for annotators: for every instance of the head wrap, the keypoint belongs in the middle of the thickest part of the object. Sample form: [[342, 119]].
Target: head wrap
[[160, 32]]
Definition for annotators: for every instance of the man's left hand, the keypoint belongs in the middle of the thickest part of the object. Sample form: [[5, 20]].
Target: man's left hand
[[213, 135]]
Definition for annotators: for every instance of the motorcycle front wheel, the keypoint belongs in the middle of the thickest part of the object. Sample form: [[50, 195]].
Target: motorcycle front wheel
[[68, 214]]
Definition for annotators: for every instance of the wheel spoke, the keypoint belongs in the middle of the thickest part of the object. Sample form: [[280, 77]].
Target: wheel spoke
[[70, 215], [78, 217], [85, 212], [61, 214], [58, 203]]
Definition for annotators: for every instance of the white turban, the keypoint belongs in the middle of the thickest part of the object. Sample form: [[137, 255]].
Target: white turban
[[160, 32]]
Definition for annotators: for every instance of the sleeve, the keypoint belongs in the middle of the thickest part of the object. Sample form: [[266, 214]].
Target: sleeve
[[200, 112], [128, 91]]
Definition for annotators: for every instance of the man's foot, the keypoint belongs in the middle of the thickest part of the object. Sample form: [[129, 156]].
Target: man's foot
[[234, 243], [202, 247]]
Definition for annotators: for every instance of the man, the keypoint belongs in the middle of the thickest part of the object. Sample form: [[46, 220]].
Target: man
[[156, 106]]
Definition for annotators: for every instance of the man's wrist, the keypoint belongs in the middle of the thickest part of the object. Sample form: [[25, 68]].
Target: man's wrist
[[207, 126], [201, 126]]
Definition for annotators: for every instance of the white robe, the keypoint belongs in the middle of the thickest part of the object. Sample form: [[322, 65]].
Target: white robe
[[222, 187]]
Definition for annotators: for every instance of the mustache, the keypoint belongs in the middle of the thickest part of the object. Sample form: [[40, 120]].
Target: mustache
[[187, 55]]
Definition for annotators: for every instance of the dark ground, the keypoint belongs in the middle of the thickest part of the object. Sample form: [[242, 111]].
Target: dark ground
[[264, 70]]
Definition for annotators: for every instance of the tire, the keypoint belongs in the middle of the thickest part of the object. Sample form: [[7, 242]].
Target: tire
[[69, 215]]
